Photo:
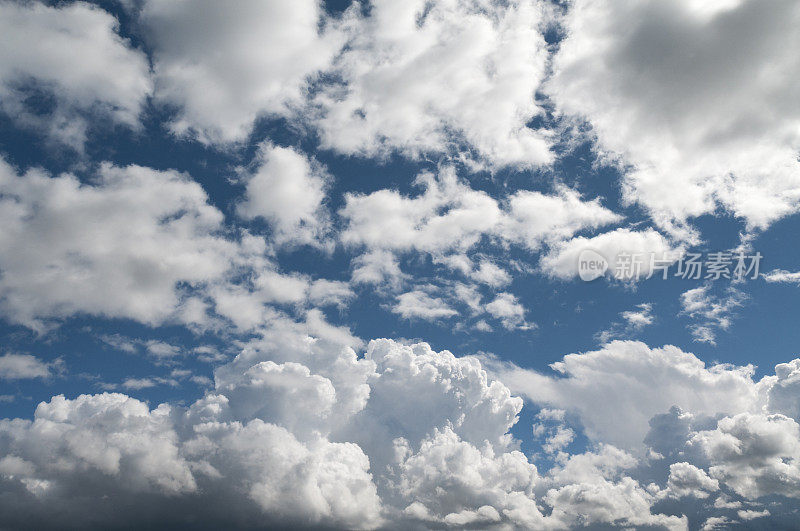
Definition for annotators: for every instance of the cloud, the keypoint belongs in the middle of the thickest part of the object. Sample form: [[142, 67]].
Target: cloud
[[330, 293], [118, 247], [617, 389], [534, 218], [74, 54], [491, 274], [286, 189], [251, 61], [630, 254], [754, 454], [25, 366], [782, 276], [419, 305], [299, 432], [633, 321], [687, 480], [713, 313], [507, 308], [448, 220], [135, 243], [138, 383], [377, 267], [695, 99], [426, 77], [448, 215]]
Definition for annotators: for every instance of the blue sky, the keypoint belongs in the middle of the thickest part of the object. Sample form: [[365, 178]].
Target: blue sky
[[249, 238]]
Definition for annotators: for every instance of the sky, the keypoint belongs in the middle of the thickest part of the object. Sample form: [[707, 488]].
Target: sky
[[399, 265]]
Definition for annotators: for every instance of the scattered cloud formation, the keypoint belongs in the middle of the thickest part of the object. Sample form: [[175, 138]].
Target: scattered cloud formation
[[200, 337], [632, 322], [713, 313]]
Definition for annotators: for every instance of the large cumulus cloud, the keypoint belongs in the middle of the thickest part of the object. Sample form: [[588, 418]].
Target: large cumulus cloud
[[694, 97]]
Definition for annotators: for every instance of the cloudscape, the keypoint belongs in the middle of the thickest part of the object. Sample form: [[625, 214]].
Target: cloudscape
[[381, 264]]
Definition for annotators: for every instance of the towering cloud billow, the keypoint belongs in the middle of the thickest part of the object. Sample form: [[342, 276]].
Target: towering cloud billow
[[403, 434]]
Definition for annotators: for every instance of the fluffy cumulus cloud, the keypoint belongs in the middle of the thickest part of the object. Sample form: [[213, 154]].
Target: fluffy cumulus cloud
[[402, 434], [251, 60], [286, 189], [299, 430], [98, 248], [418, 304], [508, 309], [73, 54], [448, 216], [426, 77], [617, 389], [627, 254], [695, 98]]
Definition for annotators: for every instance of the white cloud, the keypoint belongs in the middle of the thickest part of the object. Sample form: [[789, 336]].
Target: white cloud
[[118, 247], [419, 305], [603, 501], [696, 97], [783, 276], [135, 243], [448, 219], [594, 488], [754, 454], [712, 313], [376, 267], [617, 389], [450, 216], [640, 317], [24, 366], [249, 61], [330, 292], [686, 479], [633, 321], [300, 429], [558, 440], [422, 77], [534, 218], [752, 515], [629, 254], [138, 383], [507, 308], [447, 215], [453, 482], [491, 274], [72, 52], [286, 189]]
